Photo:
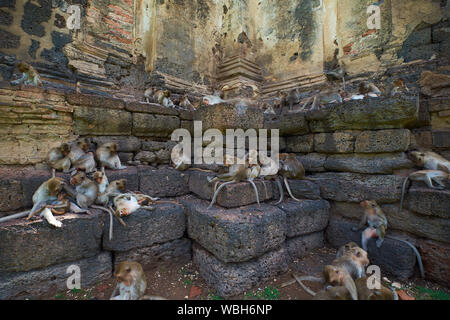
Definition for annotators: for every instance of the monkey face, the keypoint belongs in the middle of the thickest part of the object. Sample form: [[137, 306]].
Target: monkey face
[[121, 184], [333, 275], [98, 177], [23, 67], [65, 149], [360, 256], [418, 158], [55, 186], [62, 196], [124, 273], [83, 145], [166, 93], [78, 178], [370, 206], [112, 147]]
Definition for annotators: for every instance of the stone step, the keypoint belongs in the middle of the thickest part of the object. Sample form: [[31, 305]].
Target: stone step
[[232, 195], [230, 279], [430, 202], [241, 234]]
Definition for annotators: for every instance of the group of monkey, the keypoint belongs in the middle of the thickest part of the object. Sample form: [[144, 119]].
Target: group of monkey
[[56, 197]]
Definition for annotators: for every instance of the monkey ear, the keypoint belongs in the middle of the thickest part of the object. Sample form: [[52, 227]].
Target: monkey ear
[[351, 287]]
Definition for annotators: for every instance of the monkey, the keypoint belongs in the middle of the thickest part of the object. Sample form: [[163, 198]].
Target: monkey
[[291, 168], [377, 225], [86, 162], [128, 203], [131, 283], [269, 171], [293, 98], [268, 109], [58, 158], [353, 259], [78, 150], [253, 171], [336, 74], [364, 293], [163, 98], [427, 176], [280, 101], [102, 182], [345, 249], [86, 189], [47, 192], [368, 89], [148, 94], [186, 104], [29, 75], [212, 100], [237, 172], [107, 156], [333, 293], [399, 87], [324, 97], [430, 160]]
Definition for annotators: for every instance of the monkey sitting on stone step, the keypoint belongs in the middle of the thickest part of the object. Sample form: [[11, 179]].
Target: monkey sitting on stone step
[[324, 97], [290, 168], [108, 157], [368, 89], [399, 87], [78, 149], [292, 98], [29, 75], [377, 225], [131, 283], [163, 98]]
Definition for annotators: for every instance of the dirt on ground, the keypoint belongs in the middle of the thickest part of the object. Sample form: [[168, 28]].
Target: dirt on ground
[[182, 281]]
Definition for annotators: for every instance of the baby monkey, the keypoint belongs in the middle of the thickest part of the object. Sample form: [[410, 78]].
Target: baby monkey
[[29, 75]]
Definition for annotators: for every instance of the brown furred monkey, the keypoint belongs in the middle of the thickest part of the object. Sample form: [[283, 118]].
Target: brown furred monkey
[[86, 163], [29, 75], [78, 149], [430, 160], [324, 97], [352, 258], [46, 193], [293, 98], [186, 104], [131, 282], [427, 176], [290, 168], [108, 157], [368, 89], [377, 225], [364, 293], [58, 158], [85, 188]]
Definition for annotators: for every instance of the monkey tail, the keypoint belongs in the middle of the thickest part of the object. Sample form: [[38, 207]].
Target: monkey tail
[[152, 298], [403, 194], [307, 278], [15, 216], [110, 219], [419, 259]]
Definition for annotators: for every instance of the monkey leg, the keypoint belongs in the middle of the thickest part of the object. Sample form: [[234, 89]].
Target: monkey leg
[[280, 189], [15, 216], [366, 235], [47, 214], [76, 209], [256, 190], [38, 207], [265, 188], [381, 231], [217, 192], [289, 190]]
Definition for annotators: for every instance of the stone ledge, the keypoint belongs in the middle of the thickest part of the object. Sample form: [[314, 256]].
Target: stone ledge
[[234, 278], [166, 222], [231, 196], [163, 182], [98, 101], [235, 235], [394, 257], [301, 189], [149, 108], [27, 245], [429, 202], [34, 284], [288, 123], [299, 247]]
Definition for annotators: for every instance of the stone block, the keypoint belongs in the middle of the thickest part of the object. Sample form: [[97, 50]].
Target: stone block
[[337, 142], [300, 143], [436, 260], [124, 143], [154, 125], [288, 123], [101, 121], [236, 235], [383, 141], [429, 202], [299, 247], [163, 182], [313, 162]]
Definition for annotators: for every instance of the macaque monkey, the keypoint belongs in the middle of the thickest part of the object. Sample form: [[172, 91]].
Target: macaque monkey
[[102, 182], [58, 158], [78, 150], [86, 162], [324, 97], [368, 89], [353, 259], [333, 293], [128, 203], [186, 104], [377, 225], [280, 101], [131, 283], [427, 176], [45, 194], [293, 98], [86, 189], [399, 87], [364, 293], [29, 75], [108, 157], [290, 168], [212, 100], [336, 74], [430, 160], [269, 171], [163, 98], [253, 171], [346, 249], [237, 172], [148, 94]]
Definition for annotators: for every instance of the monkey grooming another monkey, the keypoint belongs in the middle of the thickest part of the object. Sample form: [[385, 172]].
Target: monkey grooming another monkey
[[377, 225], [29, 75], [163, 98], [78, 150], [368, 89], [85, 188], [131, 283], [427, 176], [45, 194], [430, 160], [58, 158], [108, 157], [86, 163]]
